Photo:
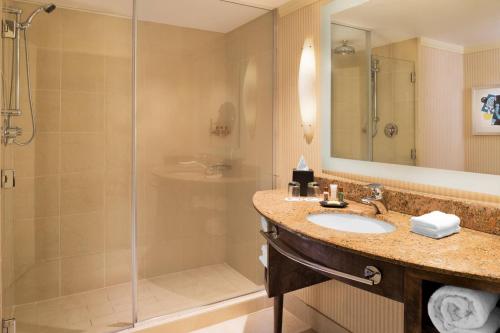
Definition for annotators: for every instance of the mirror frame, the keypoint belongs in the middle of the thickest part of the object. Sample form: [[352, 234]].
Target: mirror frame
[[458, 180]]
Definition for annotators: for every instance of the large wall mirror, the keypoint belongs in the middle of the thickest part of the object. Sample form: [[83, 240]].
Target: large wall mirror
[[411, 90]]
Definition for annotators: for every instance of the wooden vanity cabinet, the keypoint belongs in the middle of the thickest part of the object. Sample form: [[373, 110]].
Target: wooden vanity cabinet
[[287, 272]]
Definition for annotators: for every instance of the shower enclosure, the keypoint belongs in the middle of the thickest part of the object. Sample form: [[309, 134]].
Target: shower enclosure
[[133, 200], [373, 97]]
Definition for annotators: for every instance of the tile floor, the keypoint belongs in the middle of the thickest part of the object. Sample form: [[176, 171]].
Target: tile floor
[[109, 309], [258, 322]]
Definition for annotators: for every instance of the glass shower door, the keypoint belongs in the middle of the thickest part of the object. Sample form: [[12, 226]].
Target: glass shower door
[[204, 122], [394, 138], [66, 224]]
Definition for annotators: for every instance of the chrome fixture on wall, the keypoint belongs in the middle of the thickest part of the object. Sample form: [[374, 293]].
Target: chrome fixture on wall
[[374, 76], [11, 29], [344, 49]]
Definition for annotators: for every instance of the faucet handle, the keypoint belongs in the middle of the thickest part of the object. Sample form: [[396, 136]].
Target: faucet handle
[[377, 190]]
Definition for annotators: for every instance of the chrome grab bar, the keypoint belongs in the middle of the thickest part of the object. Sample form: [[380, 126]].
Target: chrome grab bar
[[372, 275]]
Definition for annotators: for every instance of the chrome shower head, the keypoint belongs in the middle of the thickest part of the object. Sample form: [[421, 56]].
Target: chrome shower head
[[344, 49], [48, 8]]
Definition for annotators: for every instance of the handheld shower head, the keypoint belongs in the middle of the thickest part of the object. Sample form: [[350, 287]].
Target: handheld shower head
[[48, 8]]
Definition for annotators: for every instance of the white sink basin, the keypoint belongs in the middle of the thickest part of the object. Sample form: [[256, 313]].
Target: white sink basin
[[351, 223]]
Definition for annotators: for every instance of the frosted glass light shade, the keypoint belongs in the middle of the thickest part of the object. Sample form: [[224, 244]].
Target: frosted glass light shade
[[307, 89]]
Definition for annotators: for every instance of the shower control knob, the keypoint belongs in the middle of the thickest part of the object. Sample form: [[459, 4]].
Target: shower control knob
[[391, 130], [10, 133]]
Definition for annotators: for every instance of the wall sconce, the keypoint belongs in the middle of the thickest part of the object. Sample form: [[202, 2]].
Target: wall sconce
[[307, 89]]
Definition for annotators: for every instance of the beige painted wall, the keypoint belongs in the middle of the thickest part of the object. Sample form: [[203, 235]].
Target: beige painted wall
[[440, 116], [293, 29], [482, 153]]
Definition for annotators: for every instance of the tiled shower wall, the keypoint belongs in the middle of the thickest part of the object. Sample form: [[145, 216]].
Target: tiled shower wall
[[66, 225]]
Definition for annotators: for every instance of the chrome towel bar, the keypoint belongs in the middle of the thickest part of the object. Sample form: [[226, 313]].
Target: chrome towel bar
[[372, 275]]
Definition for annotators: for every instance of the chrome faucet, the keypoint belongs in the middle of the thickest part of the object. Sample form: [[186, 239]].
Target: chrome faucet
[[218, 168], [376, 199]]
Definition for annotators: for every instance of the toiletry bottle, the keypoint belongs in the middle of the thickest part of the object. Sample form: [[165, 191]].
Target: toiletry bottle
[[333, 191], [326, 195], [340, 194]]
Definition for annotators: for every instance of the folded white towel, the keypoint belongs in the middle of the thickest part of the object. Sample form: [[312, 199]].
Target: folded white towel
[[263, 257], [436, 234], [455, 309], [436, 220]]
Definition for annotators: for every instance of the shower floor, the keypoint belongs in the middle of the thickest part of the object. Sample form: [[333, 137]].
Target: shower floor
[[109, 309]]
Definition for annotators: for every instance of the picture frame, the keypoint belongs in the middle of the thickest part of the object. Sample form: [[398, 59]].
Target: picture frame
[[485, 110]]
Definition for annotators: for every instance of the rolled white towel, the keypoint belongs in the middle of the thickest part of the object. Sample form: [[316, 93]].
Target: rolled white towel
[[436, 220], [455, 309]]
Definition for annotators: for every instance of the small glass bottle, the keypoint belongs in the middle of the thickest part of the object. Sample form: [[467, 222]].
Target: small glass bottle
[[326, 194], [340, 194]]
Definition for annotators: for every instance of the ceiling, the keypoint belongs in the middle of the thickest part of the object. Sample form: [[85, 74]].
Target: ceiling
[[468, 23], [211, 15]]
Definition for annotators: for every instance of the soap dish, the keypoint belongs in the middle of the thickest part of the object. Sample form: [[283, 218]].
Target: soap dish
[[333, 204]]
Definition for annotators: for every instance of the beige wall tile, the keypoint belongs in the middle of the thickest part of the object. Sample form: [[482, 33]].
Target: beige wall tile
[[82, 72], [89, 29], [117, 36], [23, 198], [82, 152], [82, 234], [40, 158], [82, 273], [24, 247], [118, 265], [47, 238], [82, 193], [47, 154], [82, 112], [118, 131], [118, 209], [48, 107], [40, 282], [48, 69], [118, 76], [47, 196]]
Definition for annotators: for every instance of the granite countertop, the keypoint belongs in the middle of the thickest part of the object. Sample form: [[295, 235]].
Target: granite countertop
[[470, 253]]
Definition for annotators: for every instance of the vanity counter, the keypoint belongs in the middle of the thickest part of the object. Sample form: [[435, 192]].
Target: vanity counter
[[469, 254]]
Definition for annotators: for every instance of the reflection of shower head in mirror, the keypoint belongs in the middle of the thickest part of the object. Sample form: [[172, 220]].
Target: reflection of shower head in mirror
[[344, 49], [48, 8]]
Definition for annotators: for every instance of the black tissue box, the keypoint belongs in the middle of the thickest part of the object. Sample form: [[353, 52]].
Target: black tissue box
[[303, 178]]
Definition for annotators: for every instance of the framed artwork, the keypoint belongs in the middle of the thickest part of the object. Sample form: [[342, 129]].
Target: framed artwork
[[486, 110]]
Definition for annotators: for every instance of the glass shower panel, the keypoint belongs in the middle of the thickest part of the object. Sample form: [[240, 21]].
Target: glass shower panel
[[204, 122], [350, 93], [66, 252], [396, 107]]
